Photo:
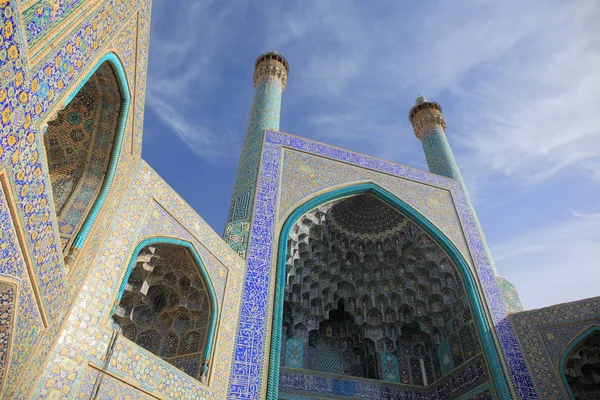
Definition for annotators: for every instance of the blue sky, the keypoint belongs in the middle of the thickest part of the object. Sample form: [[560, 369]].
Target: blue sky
[[519, 83]]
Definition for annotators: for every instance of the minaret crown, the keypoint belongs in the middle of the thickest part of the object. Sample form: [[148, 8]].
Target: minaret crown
[[271, 65], [426, 117]]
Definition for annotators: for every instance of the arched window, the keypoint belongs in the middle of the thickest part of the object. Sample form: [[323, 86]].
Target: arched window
[[82, 144], [581, 366], [168, 307], [396, 311]]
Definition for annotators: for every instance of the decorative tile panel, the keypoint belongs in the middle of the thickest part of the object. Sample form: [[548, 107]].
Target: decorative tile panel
[[20, 317], [45, 14], [264, 114], [87, 335], [26, 98], [250, 361], [8, 298], [307, 174], [310, 384], [110, 388], [544, 334]]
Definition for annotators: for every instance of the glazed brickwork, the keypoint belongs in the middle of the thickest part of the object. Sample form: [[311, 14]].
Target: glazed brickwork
[[430, 128], [8, 296], [78, 147], [264, 114], [22, 326], [110, 388], [314, 385], [41, 16], [440, 159], [55, 318], [545, 334], [27, 97], [150, 209], [509, 295], [306, 174], [248, 378], [32, 91]]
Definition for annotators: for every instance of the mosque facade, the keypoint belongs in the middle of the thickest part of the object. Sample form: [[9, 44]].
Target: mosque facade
[[337, 276]]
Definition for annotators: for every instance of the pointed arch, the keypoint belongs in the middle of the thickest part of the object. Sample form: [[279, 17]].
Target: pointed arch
[[565, 356], [212, 297], [492, 355], [119, 70], [80, 225]]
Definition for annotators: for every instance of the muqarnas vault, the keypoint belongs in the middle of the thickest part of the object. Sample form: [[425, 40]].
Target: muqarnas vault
[[338, 275]]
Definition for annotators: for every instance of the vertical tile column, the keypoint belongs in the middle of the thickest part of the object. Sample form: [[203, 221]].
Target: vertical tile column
[[270, 78], [430, 128]]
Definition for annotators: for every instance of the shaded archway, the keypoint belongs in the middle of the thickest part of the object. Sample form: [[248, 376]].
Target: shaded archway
[[580, 366], [471, 292], [82, 148], [168, 306]]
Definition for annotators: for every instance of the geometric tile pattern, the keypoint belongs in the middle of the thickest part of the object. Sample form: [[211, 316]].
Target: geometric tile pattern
[[429, 126], [509, 295], [26, 98], [78, 148], [148, 208], [545, 334], [110, 388], [30, 93], [319, 385], [481, 393], [43, 15], [264, 114], [438, 154], [7, 312], [304, 175], [21, 327], [248, 376]]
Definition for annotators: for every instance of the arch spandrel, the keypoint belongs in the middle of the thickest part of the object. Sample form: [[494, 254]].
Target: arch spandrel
[[266, 230], [313, 210], [305, 175]]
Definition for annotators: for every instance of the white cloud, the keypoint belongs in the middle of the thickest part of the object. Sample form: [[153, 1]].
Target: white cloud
[[519, 83], [535, 117], [197, 137], [556, 263], [181, 73], [522, 79]]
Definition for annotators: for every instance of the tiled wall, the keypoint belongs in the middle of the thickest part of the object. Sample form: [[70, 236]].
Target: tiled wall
[[545, 334], [33, 87], [251, 354], [150, 208]]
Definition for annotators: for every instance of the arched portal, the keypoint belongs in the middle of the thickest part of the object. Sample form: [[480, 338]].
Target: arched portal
[[580, 366], [82, 147], [366, 287], [168, 305]]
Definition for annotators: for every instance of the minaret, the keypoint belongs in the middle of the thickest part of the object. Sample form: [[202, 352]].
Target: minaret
[[430, 127], [428, 123], [270, 77]]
